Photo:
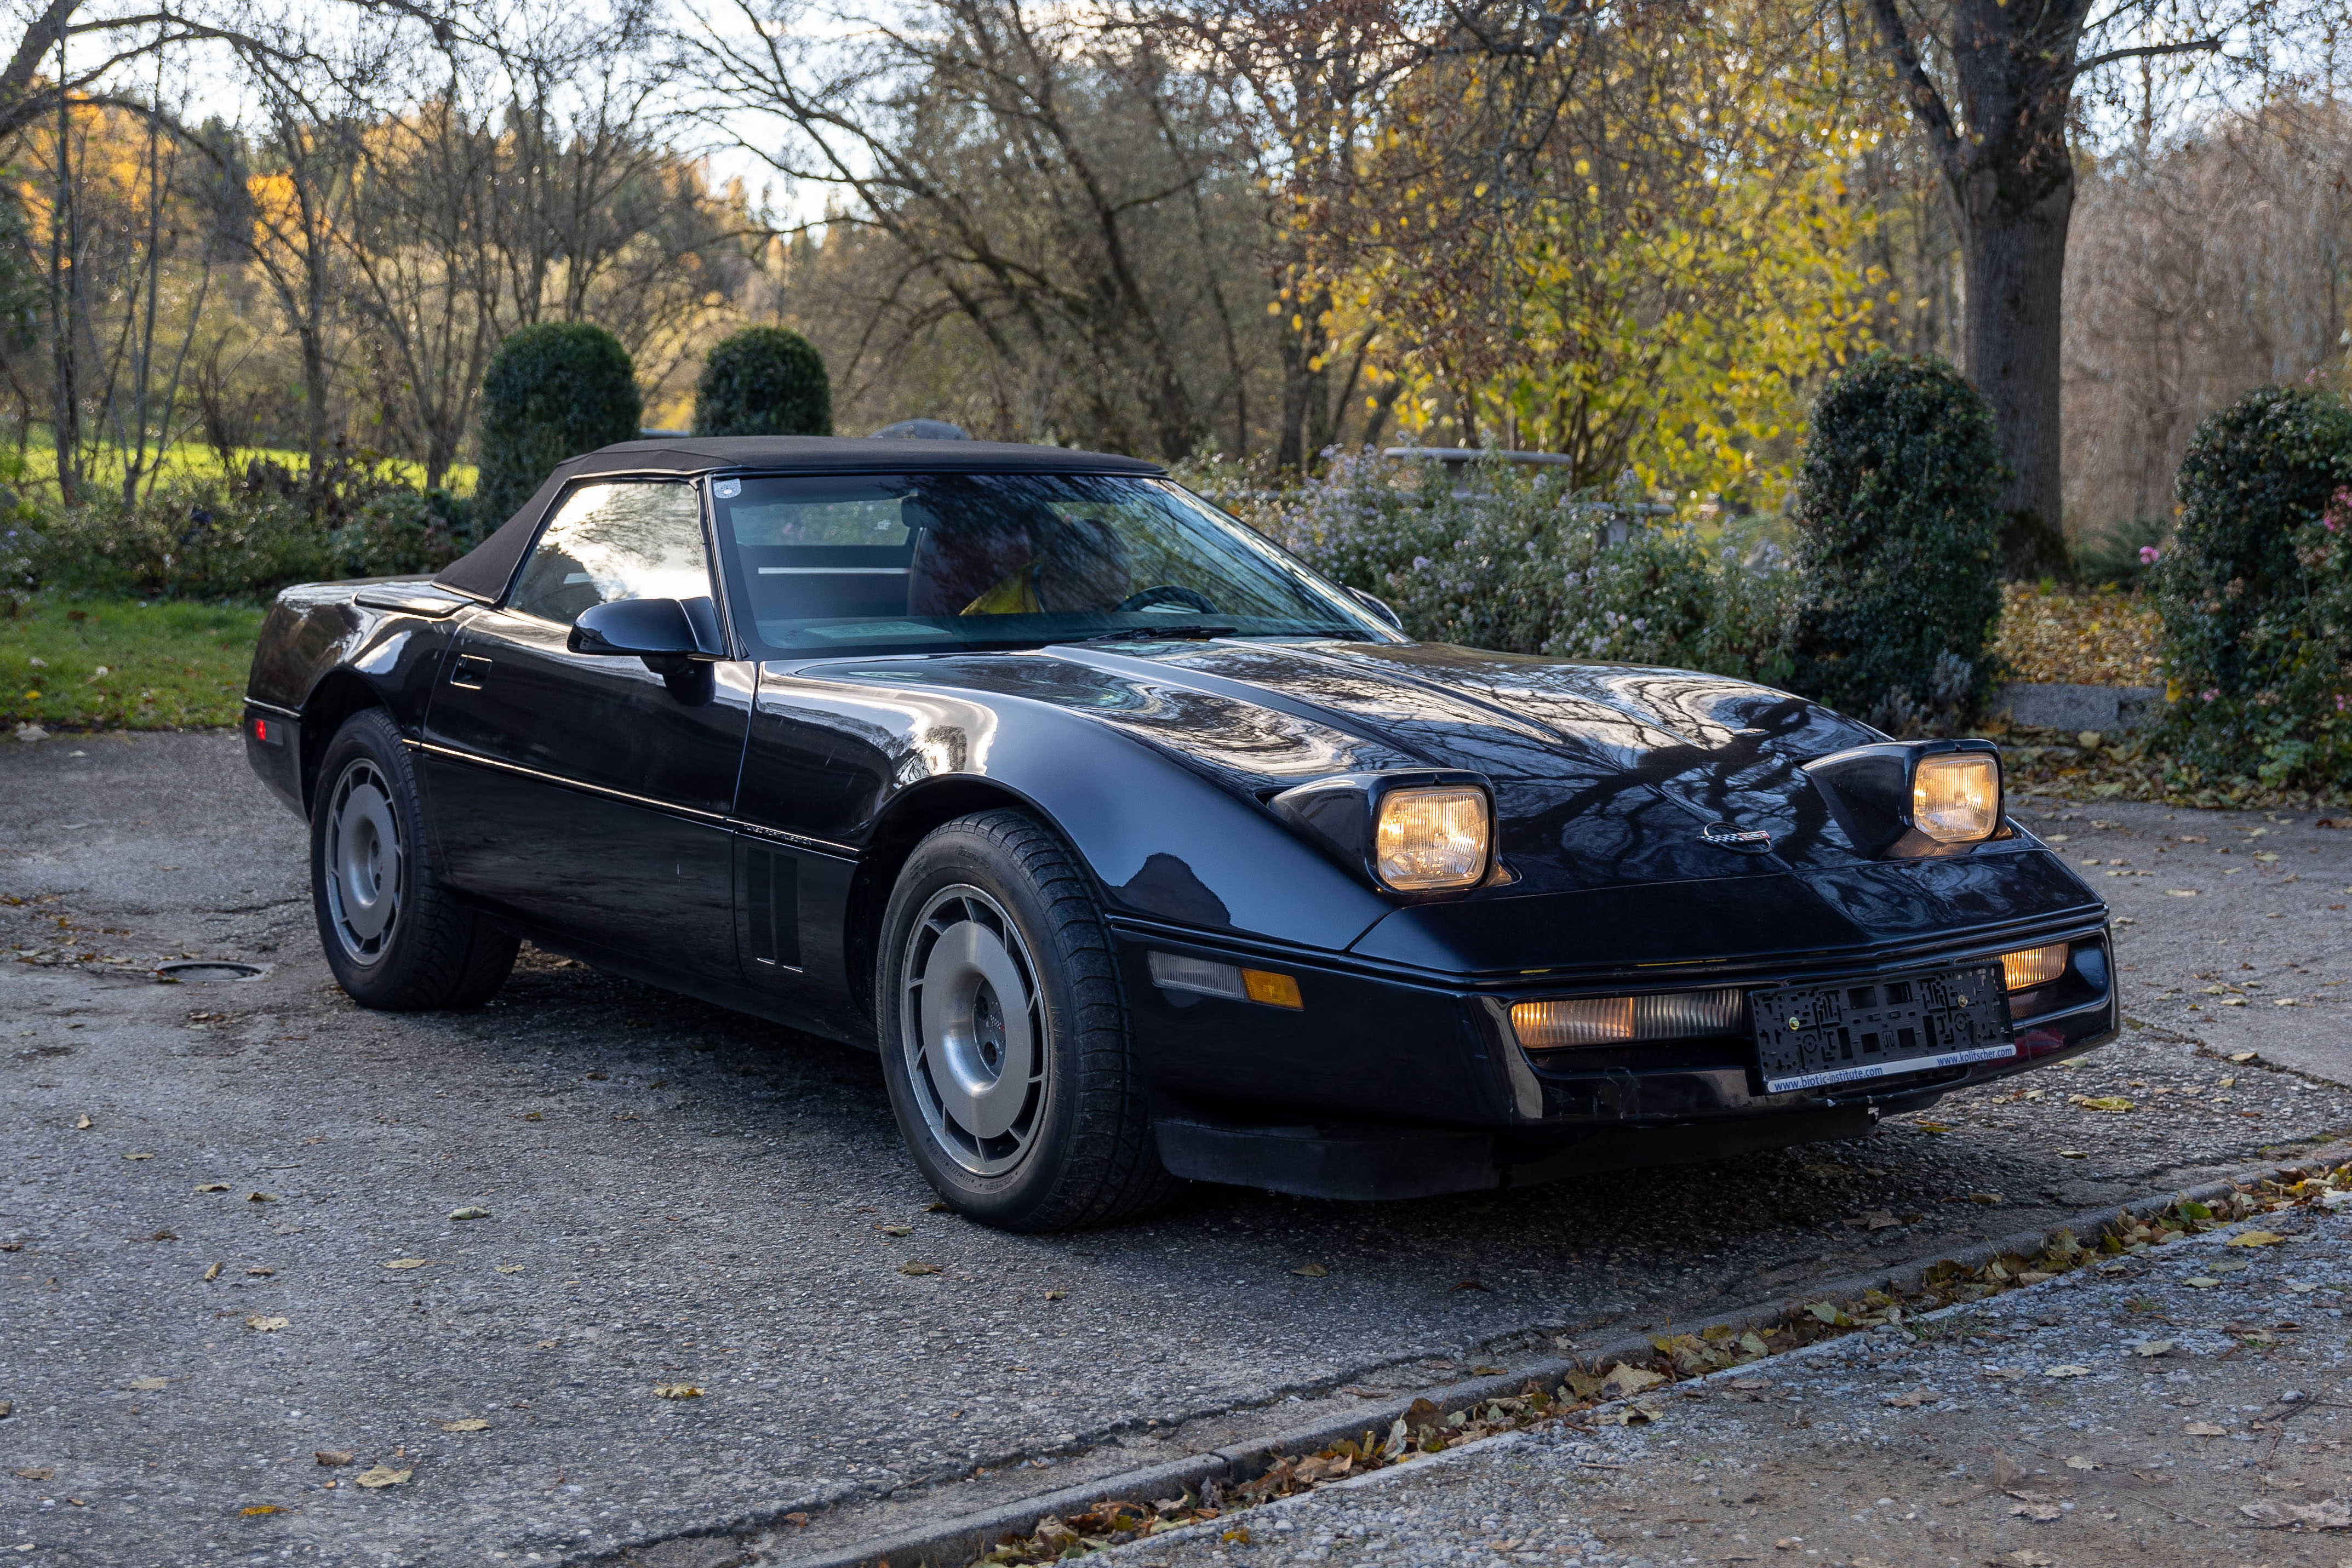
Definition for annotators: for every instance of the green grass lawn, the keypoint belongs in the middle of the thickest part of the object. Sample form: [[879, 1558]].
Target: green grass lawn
[[110, 663], [194, 459]]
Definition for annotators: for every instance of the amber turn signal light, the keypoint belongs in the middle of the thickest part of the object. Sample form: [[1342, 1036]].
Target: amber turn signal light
[[1274, 990], [2030, 967]]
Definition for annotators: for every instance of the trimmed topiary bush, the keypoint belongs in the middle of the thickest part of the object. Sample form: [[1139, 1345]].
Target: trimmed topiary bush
[[763, 381], [554, 389], [1898, 523], [2256, 592]]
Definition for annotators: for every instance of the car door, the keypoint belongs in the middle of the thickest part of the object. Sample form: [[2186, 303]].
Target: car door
[[587, 794]]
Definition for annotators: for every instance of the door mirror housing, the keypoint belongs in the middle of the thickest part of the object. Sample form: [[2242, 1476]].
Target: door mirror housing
[[662, 632], [1378, 606]]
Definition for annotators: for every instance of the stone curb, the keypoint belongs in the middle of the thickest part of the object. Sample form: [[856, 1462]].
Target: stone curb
[[954, 1542]]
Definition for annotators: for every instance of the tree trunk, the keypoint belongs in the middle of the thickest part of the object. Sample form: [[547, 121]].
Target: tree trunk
[[2015, 263]]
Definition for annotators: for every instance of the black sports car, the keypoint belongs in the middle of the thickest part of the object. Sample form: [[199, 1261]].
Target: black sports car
[[1136, 850]]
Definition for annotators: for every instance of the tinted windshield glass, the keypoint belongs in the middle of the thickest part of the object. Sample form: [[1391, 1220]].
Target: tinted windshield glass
[[944, 561]]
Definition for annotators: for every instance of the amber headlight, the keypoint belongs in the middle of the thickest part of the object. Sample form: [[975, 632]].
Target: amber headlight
[[1430, 839], [1956, 798], [1610, 1020], [2030, 967]]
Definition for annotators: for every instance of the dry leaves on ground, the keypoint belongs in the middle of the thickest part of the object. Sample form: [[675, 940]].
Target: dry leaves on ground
[[919, 1269], [381, 1476], [470, 1424], [332, 1457], [677, 1390], [469, 1214], [2078, 640], [268, 1325]]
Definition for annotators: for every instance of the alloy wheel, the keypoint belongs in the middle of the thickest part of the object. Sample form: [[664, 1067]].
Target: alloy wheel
[[973, 1027], [366, 867]]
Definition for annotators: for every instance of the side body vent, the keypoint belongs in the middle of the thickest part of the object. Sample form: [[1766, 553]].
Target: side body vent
[[772, 908]]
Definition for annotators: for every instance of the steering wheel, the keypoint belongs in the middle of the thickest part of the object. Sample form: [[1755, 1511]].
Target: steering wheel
[[1169, 594]]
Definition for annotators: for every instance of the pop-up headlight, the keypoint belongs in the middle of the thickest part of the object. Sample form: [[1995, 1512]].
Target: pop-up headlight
[[1913, 797], [1410, 833]]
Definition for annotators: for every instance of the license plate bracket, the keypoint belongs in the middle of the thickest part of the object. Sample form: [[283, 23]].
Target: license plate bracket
[[1809, 1037]]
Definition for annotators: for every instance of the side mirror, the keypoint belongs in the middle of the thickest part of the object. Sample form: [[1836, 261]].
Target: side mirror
[[664, 630], [1378, 606]]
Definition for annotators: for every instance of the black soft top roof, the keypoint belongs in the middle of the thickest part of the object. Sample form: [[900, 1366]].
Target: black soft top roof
[[484, 572]]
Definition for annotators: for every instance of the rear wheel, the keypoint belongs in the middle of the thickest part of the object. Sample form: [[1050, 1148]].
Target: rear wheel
[[395, 937], [1004, 1040]]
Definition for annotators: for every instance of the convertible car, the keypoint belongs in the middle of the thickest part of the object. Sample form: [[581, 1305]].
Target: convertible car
[[1137, 850]]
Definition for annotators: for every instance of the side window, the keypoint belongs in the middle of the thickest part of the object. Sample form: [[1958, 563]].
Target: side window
[[633, 540]]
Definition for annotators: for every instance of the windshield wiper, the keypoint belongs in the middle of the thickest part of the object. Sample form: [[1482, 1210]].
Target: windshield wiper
[[1162, 633]]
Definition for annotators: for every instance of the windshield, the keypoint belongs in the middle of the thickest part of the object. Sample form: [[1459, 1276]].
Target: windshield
[[837, 563]]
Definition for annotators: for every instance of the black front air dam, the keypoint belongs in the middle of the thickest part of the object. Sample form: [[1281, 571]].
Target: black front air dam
[[1373, 1161]]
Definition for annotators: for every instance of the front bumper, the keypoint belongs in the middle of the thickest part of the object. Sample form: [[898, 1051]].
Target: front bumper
[[1386, 1086]]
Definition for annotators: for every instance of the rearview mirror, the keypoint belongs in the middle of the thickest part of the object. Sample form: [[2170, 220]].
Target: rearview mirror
[[664, 630]]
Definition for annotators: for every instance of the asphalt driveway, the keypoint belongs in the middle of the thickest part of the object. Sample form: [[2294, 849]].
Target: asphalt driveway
[[227, 1215]]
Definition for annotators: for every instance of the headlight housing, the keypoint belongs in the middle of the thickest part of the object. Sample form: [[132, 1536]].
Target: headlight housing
[[1418, 834], [1428, 840], [1956, 798], [1908, 798]]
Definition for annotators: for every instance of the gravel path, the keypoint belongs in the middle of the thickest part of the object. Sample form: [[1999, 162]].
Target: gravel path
[[2187, 1407], [681, 1196]]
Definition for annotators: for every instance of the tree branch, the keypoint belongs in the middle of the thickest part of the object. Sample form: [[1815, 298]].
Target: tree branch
[[1935, 116], [2146, 51]]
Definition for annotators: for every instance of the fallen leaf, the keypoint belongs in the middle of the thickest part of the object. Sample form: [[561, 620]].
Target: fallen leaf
[[381, 1476], [2204, 1429], [266, 1325], [470, 1424], [1913, 1400], [2255, 1238], [1627, 1379], [2036, 1508], [2151, 1347], [213, 1187], [469, 1214], [82, 1125], [261, 1197], [259, 1273], [923, 1268], [1880, 1219], [140, 1154], [2179, 892], [1933, 1126], [2073, 1153], [148, 1385], [1991, 1200], [2078, 1462], [2242, 1057], [408, 1263], [939, 1208], [214, 1272], [2332, 1514], [2005, 1373], [330, 1457], [507, 1268], [677, 1390], [2109, 1102], [39, 1474], [2202, 1282], [897, 1230], [2006, 1471], [1751, 1383], [2068, 1370], [260, 1507], [1753, 1343], [800, 1519], [1058, 1295], [1311, 1271]]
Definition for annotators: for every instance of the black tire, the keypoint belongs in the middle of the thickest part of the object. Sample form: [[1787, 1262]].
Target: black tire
[[1075, 1147], [394, 936]]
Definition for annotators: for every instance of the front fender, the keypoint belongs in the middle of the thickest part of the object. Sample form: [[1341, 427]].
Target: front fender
[[835, 763]]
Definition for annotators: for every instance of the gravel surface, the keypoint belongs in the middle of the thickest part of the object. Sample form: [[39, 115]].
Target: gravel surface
[[2185, 1406], [677, 1195]]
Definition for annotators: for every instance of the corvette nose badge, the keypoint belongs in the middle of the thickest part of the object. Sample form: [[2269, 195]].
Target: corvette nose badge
[[1743, 841]]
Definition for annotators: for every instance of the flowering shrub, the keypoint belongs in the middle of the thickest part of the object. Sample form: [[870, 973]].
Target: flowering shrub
[[2256, 593], [1518, 562]]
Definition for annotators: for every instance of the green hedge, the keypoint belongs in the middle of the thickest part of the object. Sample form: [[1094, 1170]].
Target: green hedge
[[1898, 522], [763, 381], [2256, 593], [554, 390], [1523, 565]]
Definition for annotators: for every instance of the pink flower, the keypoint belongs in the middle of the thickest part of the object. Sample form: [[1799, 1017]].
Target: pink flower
[[2150, 554], [2208, 694]]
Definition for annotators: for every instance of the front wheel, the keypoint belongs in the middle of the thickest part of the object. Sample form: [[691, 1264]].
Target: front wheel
[[1005, 1040], [395, 937]]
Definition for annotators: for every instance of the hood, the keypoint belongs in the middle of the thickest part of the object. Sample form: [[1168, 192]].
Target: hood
[[1603, 775]]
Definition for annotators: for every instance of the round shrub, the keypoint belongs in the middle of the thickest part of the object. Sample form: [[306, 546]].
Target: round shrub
[[2256, 591], [1898, 522], [554, 389], [763, 381]]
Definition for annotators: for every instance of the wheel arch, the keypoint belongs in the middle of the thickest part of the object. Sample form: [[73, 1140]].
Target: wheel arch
[[906, 819], [331, 703]]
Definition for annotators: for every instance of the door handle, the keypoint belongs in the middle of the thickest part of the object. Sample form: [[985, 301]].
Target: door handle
[[469, 672]]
